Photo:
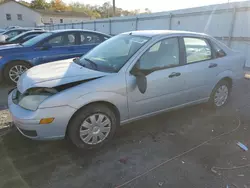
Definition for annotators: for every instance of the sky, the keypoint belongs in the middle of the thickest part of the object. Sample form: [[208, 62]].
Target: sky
[[154, 5]]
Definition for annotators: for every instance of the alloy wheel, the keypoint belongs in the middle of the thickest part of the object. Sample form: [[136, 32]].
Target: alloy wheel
[[221, 95], [16, 71], [95, 128]]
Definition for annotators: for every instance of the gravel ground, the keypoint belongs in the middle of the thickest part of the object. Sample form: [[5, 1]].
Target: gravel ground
[[191, 147]]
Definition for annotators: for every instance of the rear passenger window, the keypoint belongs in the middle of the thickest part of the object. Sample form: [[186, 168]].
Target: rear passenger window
[[197, 50], [90, 38]]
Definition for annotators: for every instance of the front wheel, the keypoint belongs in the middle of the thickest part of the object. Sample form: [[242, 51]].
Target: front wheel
[[92, 126], [14, 70], [220, 94]]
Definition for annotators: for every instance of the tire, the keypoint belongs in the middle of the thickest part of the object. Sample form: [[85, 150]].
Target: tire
[[15, 66], [82, 121], [223, 86]]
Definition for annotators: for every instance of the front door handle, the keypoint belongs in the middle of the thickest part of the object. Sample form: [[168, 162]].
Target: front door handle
[[212, 65], [174, 74]]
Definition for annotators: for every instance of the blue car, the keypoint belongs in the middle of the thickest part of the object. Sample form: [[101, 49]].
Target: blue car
[[47, 47], [23, 37]]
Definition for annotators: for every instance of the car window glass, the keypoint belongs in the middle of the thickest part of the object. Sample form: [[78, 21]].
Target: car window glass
[[90, 38], [63, 40], [12, 34], [197, 50], [105, 38], [37, 39], [112, 54], [29, 37], [163, 54]]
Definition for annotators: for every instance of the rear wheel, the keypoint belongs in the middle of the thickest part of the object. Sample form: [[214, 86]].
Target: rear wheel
[[92, 126], [14, 70], [220, 94]]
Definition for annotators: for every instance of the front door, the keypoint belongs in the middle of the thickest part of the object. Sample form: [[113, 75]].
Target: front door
[[63, 46], [165, 82]]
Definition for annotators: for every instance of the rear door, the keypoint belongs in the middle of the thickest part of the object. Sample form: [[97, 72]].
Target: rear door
[[201, 68], [87, 41]]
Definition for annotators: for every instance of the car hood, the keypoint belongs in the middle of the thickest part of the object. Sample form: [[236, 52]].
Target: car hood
[[55, 74]]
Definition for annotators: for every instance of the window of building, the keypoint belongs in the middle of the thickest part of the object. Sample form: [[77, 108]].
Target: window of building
[[19, 16], [197, 50], [61, 20], [8, 16]]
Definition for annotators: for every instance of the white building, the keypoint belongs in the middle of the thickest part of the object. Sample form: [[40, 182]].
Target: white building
[[13, 13]]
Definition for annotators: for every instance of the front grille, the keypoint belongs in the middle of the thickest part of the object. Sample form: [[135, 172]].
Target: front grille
[[28, 132]]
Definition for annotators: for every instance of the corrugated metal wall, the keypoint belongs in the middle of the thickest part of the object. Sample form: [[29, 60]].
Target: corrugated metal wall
[[228, 22]]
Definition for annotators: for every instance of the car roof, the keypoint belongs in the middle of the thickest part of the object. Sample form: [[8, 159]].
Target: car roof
[[36, 31], [153, 33], [19, 29], [77, 30]]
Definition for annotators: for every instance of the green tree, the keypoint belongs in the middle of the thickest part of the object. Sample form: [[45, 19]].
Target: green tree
[[58, 5], [24, 3], [88, 9], [39, 4], [104, 11]]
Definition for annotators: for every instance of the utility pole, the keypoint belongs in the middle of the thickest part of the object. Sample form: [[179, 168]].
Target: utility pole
[[113, 7]]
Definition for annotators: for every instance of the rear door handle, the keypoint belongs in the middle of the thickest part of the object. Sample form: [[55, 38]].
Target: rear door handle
[[212, 65], [174, 74]]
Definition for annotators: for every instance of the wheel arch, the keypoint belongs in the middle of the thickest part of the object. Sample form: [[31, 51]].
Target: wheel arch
[[109, 104], [227, 79]]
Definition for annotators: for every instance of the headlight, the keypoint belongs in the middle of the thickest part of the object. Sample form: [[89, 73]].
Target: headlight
[[32, 102], [33, 97]]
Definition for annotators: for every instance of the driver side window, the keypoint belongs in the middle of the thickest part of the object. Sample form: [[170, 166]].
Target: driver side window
[[65, 39], [163, 54]]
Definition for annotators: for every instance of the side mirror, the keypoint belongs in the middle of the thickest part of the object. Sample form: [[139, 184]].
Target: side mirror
[[141, 79], [219, 53], [45, 46]]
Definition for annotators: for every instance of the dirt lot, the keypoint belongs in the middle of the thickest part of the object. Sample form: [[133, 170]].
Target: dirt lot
[[183, 148]]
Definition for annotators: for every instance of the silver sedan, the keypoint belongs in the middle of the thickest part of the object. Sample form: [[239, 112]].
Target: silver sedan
[[131, 76]]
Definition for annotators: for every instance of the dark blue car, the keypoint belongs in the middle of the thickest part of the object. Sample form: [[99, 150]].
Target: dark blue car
[[47, 47]]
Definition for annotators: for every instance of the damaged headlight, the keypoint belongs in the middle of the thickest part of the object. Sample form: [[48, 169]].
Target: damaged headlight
[[33, 97]]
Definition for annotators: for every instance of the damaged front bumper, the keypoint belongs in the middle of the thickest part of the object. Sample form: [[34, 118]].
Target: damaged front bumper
[[28, 122]]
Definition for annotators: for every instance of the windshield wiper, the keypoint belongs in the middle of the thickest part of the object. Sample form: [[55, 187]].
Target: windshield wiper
[[91, 62]]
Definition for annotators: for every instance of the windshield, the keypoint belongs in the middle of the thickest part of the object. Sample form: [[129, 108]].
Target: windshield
[[112, 54], [36, 39]]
